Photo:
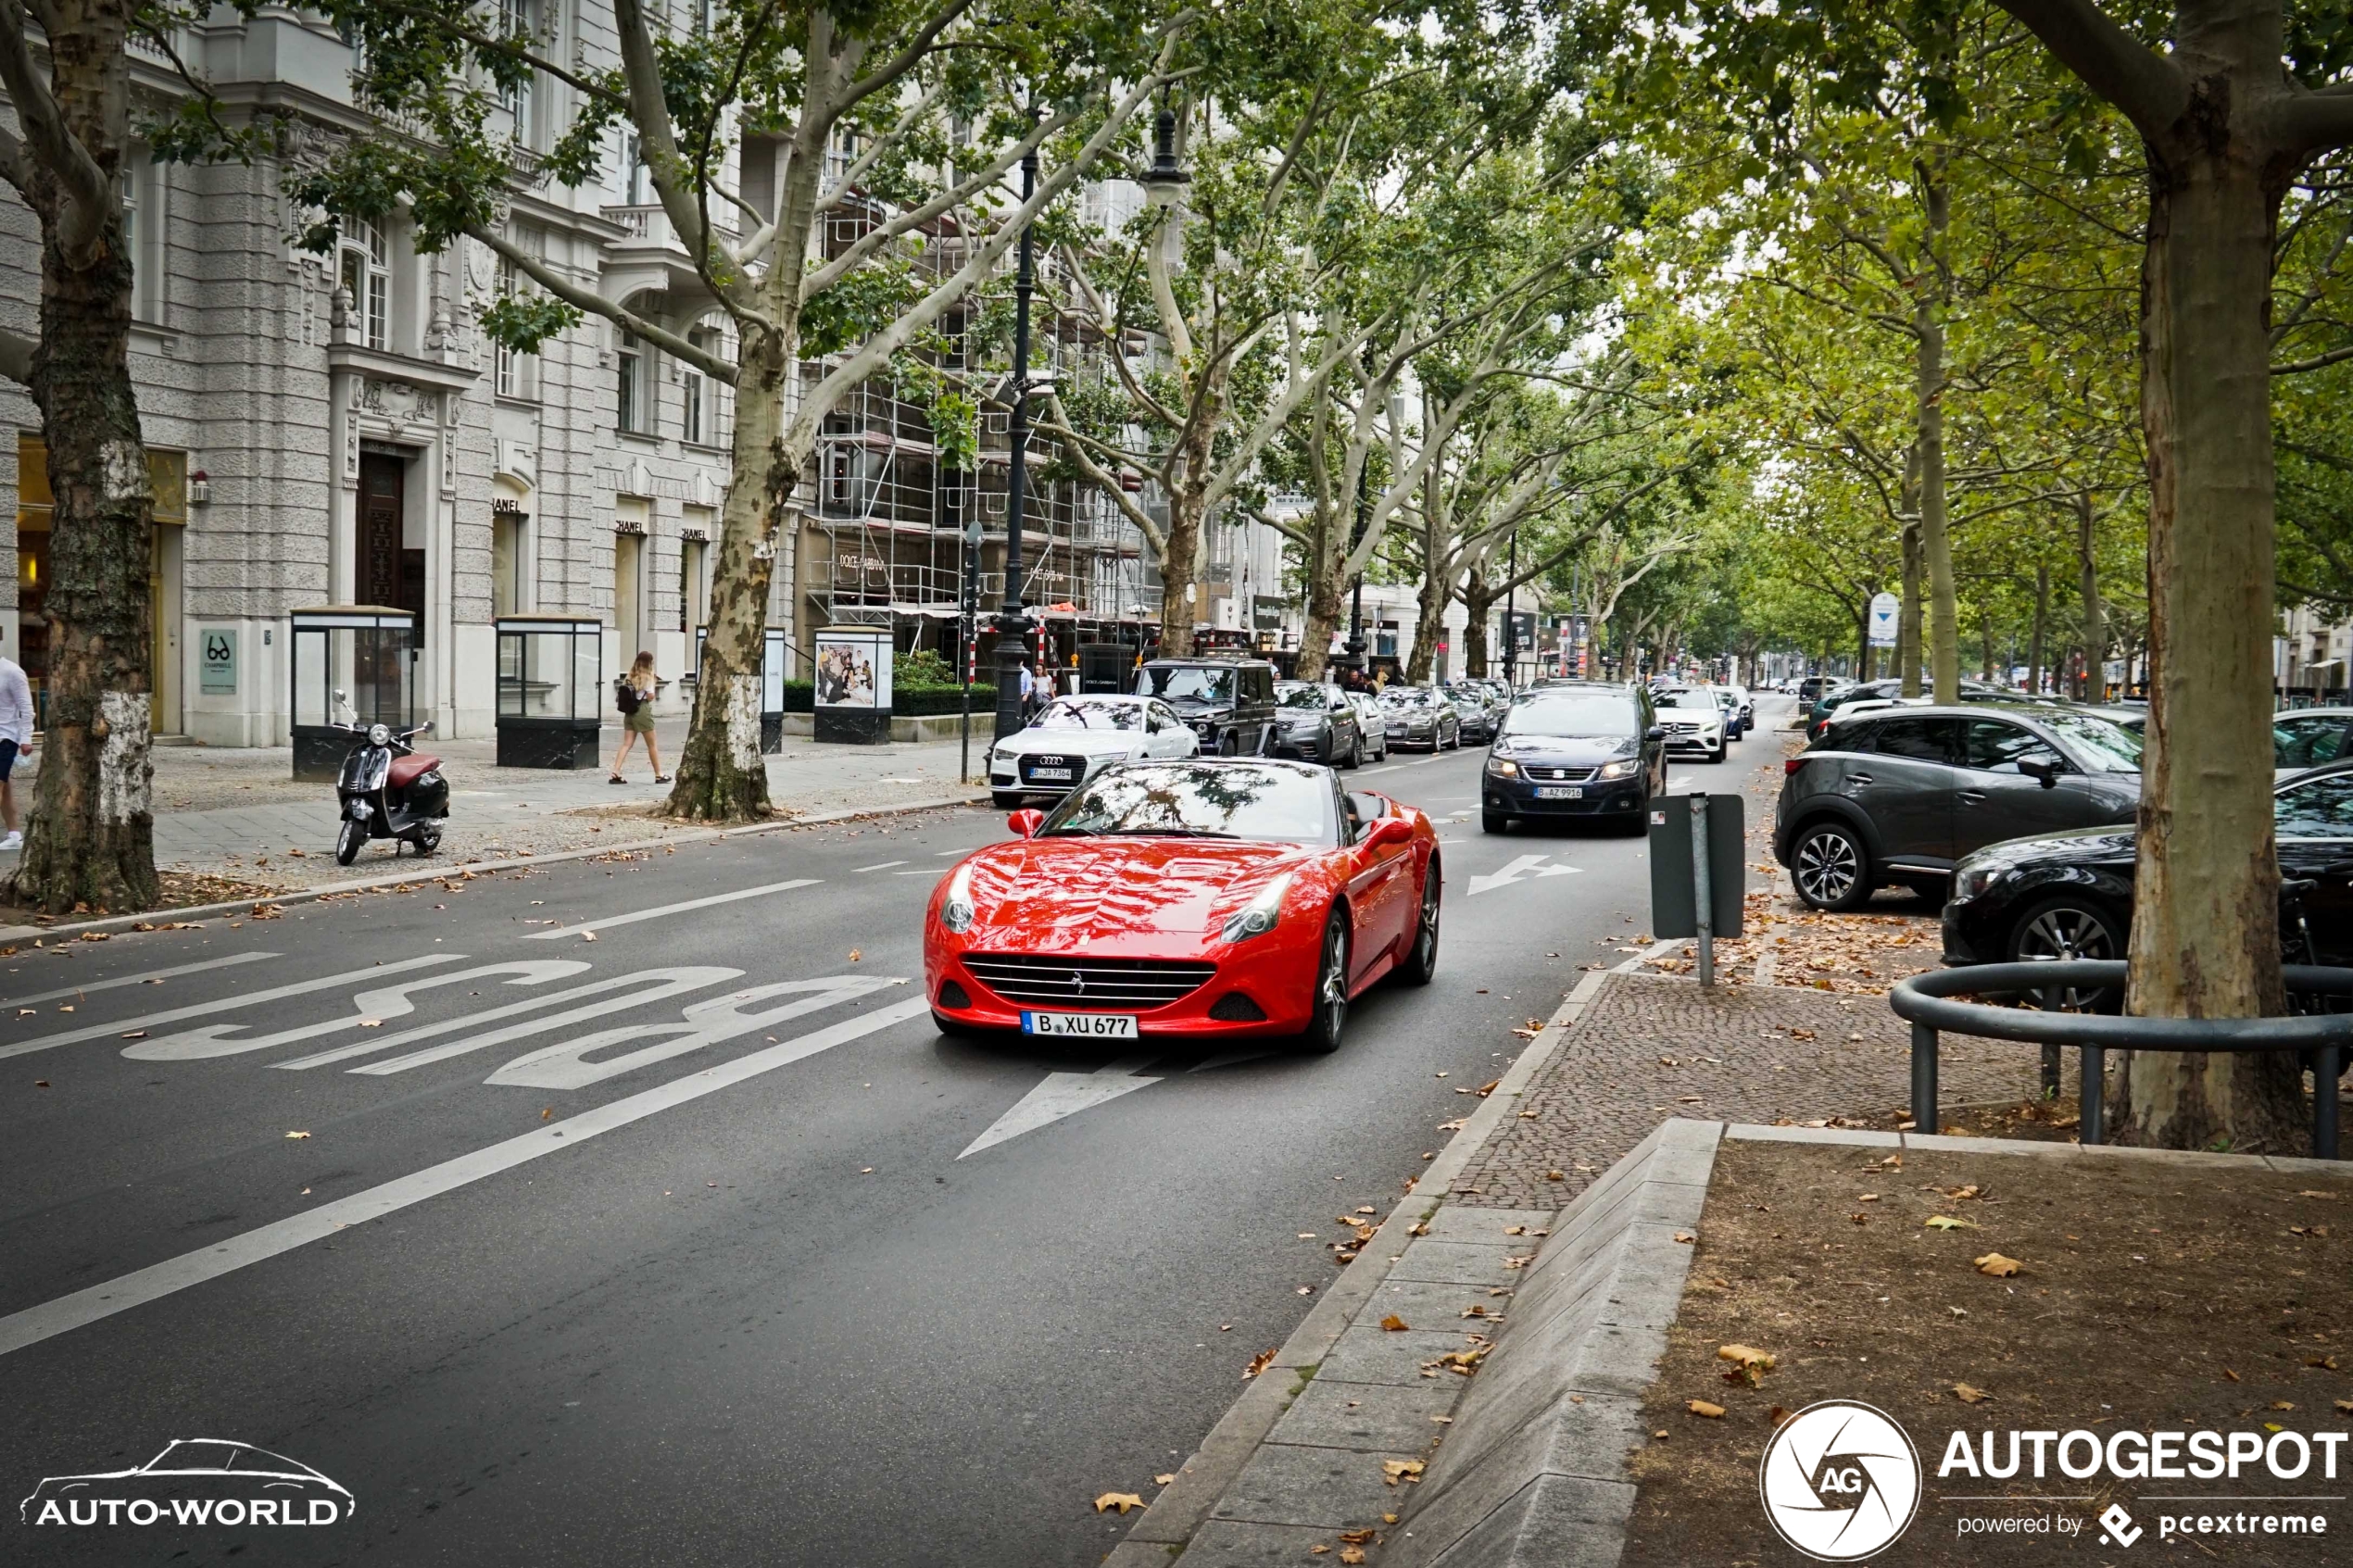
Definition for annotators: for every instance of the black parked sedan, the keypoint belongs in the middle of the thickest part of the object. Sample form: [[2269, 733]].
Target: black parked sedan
[[1317, 723], [1896, 795], [2069, 894], [1575, 749]]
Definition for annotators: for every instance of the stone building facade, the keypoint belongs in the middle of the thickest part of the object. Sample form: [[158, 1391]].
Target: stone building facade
[[335, 430]]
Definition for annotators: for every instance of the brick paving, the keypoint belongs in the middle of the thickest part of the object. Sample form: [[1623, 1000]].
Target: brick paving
[[1649, 1047]]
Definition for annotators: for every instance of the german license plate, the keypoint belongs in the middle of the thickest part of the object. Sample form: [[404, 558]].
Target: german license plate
[[1081, 1025], [1052, 775], [1560, 792]]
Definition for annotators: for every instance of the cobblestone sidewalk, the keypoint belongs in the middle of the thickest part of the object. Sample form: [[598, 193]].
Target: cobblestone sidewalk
[[1649, 1047]]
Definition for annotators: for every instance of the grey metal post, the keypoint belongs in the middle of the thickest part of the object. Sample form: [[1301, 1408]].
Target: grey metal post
[[1702, 891], [2324, 1063], [1924, 1079], [2093, 1114]]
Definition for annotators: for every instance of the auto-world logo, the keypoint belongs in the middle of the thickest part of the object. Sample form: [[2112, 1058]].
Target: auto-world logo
[[1840, 1480], [194, 1482]]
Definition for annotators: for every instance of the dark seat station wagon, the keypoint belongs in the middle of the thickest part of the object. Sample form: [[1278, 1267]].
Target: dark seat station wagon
[[1895, 798]]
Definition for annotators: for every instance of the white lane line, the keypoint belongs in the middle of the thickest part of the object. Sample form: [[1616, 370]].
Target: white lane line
[[919, 870], [610, 921], [139, 979], [943, 854], [1063, 1094], [878, 866], [229, 1004], [102, 1301]]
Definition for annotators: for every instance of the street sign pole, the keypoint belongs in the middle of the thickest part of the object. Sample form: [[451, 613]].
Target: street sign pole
[[1702, 892]]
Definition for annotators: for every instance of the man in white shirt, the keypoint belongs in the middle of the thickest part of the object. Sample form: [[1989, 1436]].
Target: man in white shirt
[[15, 740]]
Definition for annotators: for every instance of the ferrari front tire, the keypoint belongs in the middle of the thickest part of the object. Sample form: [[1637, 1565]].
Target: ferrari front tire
[[1329, 1021], [1421, 960]]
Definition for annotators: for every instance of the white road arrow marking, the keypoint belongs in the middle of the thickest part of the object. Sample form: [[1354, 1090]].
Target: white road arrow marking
[[229, 1003], [1063, 1093], [1526, 866]]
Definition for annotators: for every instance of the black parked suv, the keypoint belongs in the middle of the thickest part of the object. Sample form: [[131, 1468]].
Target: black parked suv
[[1897, 795], [1230, 702], [1576, 748], [2069, 896]]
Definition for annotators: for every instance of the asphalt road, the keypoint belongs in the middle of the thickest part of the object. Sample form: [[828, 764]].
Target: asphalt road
[[735, 1297]]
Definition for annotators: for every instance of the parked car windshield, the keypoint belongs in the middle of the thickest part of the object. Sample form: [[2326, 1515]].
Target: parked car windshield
[[1409, 696], [1596, 713], [2107, 747], [1200, 800], [1299, 693], [1188, 684], [1686, 697], [1073, 713]]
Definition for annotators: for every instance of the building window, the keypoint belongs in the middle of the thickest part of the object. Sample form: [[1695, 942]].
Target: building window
[[694, 581], [638, 188], [514, 17], [518, 373], [630, 382], [138, 186], [507, 555], [363, 268], [695, 417]]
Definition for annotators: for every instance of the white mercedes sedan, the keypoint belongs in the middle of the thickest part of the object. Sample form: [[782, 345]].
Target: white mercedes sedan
[[1076, 738]]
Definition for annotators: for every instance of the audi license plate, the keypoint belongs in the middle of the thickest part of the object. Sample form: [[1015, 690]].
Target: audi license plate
[[1084, 1025], [1560, 792], [1052, 775]]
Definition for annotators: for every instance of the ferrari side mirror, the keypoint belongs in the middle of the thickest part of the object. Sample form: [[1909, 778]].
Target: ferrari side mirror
[[1389, 831], [1025, 823]]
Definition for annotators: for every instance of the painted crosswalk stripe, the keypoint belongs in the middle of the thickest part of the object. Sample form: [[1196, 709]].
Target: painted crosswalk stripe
[[610, 922], [139, 979], [102, 1301], [227, 1004]]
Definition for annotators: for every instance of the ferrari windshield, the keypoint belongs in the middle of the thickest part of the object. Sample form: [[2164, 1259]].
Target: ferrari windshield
[[1202, 800], [1188, 682], [1075, 713]]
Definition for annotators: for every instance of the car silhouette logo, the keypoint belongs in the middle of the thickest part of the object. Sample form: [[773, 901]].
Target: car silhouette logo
[[1079, 982], [193, 1481]]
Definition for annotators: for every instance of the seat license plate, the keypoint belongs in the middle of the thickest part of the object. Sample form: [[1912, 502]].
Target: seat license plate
[[1560, 792], [1083, 1025], [1054, 775]]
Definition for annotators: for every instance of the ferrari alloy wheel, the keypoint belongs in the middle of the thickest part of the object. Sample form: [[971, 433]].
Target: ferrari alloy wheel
[[1831, 867], [1330, 1020], [347, 842], [1421, 961]]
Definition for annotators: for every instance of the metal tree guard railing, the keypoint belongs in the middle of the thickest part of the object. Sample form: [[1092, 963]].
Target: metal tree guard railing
[[1926, 1003]]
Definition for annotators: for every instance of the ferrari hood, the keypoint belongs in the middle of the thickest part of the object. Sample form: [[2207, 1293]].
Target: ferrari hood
[[1077, 890]]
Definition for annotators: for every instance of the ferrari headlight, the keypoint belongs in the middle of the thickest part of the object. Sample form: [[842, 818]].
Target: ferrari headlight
[[1257, 917], [1624, 767], [1504, 767], [956, 911]]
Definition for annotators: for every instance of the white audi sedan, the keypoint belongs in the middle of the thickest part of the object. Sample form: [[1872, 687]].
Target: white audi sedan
[[1073, 738]]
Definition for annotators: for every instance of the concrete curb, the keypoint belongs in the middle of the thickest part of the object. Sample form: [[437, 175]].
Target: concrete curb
[[1203, 1480], [422, 872]]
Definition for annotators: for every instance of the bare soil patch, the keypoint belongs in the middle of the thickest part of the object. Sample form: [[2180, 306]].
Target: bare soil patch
[[2150, 1295]]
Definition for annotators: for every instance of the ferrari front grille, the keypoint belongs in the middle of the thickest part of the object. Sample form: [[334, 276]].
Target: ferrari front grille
[[1112, 985]]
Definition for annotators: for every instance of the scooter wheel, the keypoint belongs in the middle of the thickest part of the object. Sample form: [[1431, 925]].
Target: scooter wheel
[[428, 841], [347, 843]]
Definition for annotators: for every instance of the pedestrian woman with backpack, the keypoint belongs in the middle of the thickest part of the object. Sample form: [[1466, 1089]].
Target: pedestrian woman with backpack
[[634, 696]]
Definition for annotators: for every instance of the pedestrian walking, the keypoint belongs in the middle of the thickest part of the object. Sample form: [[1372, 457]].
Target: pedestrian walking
[[635, 697], [15, 740]]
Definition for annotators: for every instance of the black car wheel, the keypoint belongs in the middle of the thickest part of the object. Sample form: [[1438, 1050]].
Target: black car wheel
[[1005, 799], [348, 841], [2069, 927], [1493, 821], [1831, 867], [1421, 961], [1330, 1021], [1228, 746]]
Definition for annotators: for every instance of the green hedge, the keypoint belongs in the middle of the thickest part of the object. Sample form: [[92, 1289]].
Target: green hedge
[[800, 696]]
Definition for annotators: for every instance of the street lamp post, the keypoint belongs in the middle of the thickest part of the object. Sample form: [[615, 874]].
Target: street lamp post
[[1511, 623], [1356, 605], [1012, 621]]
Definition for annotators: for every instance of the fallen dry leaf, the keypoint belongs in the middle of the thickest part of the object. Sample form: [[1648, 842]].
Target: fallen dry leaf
[[2283, 1404], [1556, 1175], [1394, 1470], [548, 1113], [1356, 1537], [135, 1034], [298, 1134], [1685, 1236], [1779, 1414], [1258, 1363], [1488, 1088], [2229, 1374], [1515, 1230], [40, 1083], [855, 955], [1969, 1396], [1745, 1355], [2345, 1407], [1352, 1554], [1394, 1325], [1120, 1500], [1997, 1266], [1703, 1407], [587, 937], [1946, 1222]]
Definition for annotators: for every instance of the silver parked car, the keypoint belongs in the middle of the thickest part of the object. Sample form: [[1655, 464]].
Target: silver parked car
[[1374, 722]]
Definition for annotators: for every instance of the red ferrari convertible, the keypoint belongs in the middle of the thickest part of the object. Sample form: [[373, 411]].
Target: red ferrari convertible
[[1205, 897]]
